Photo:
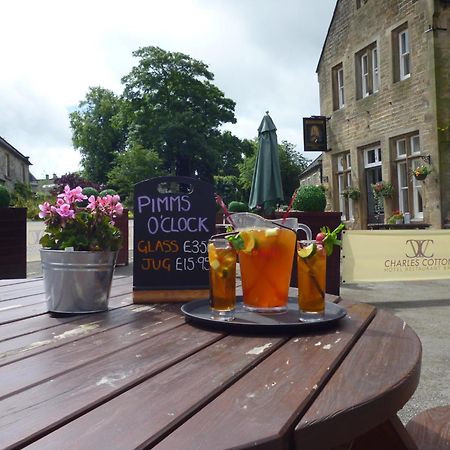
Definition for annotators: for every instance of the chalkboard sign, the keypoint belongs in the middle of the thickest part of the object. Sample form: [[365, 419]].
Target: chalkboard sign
[[173, 219]]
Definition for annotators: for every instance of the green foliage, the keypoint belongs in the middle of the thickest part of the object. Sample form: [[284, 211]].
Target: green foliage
[[89, 190], [173, 107], [227, 187], [5, 197], [235, 206], [134, 165], [106, 192], [70, 225], [98, 132], [310, 198], [85, 232], [292, 164], [73, 179]]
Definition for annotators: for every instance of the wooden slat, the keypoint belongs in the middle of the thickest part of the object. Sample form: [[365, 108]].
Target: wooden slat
[[374, 381], [259, 410], [431, 428], [20, 312], [32, 324], [33, 412], [390, 435], [160, 403], [63, 333], [36, 369]]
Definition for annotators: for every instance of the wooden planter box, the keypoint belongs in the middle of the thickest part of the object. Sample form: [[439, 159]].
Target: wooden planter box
[[122, 224], [316, 220], [13, 243]]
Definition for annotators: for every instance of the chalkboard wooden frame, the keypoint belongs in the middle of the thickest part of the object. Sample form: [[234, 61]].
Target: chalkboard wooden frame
[[171, 232]]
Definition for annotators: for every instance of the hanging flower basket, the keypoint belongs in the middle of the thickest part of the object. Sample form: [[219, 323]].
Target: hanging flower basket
[[420, 177], [383, 189], [421, 172]]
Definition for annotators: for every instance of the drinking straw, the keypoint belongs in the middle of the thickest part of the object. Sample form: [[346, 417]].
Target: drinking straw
[[286, 213], [221, 203]]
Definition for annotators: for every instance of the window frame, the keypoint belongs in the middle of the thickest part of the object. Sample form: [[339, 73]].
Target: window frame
[[338, 86], [401, 54], [343, 180], [410, 192], [367, 71]]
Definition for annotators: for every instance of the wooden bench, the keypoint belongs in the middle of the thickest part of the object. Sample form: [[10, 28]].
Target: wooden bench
[[430, 429]]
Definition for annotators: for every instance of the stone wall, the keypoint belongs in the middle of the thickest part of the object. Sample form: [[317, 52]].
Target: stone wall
[[397, 108]]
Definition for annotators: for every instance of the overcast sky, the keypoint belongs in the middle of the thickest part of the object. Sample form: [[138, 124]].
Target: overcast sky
[[263, 54]]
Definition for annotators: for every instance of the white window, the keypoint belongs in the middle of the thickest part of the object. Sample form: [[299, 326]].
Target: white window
[[407, 156], [401, 148], [344, 180], [367, 71], [417, 193], [415, 144], [365, 74], [403, 43], [340, 82], [337, 78], [375, 72], [372, 157]]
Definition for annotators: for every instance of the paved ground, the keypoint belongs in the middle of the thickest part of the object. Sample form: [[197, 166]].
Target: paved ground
[[425, 306]]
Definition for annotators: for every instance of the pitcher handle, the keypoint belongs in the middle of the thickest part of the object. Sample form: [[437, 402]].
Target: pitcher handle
[[306, 229]]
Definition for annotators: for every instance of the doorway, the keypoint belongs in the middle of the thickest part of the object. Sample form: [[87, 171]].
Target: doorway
[[373, 174]]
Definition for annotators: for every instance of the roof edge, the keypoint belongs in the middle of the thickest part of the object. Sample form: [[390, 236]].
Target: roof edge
[[6, 144]]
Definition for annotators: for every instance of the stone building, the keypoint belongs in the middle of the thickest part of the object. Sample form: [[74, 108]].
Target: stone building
[[384, 87], [14, 167]]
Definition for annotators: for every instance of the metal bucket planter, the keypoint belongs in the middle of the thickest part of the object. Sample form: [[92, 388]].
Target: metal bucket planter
[[77, 282]]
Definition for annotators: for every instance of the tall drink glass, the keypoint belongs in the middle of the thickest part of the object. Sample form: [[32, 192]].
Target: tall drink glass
[[265, 261], [311, 273], [222, 279]]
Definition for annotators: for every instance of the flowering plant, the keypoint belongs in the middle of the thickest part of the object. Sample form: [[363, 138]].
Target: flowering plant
[[90, 228], [421, 171], [383, 189], [395, 216], [351, 192]]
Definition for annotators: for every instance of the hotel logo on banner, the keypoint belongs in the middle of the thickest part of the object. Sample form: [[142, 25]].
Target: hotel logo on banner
[[419, 255]]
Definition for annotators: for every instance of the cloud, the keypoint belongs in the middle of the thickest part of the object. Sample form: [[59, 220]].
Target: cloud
[[263, 54]]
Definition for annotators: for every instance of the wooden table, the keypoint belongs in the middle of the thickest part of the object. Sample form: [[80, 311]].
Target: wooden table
[[138, 376]]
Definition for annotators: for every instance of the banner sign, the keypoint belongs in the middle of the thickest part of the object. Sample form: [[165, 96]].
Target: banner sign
[[395, 255]]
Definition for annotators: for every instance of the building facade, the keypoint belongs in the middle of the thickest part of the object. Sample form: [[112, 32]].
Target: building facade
[[384, 88], [14, 167]]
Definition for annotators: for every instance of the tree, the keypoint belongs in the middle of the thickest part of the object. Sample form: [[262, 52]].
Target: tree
[[292, 164], [134, 165], [98, 133], [173, 107]]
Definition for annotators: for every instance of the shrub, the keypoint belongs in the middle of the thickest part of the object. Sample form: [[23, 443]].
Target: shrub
[[235, 206], [106, 192], [5, 198], [310, 198], [88, 191]]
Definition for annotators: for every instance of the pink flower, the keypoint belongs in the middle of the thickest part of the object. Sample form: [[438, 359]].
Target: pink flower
[[45, 210], [65, 211]]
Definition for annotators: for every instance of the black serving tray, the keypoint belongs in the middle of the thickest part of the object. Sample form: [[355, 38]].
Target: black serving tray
[[198, 312]]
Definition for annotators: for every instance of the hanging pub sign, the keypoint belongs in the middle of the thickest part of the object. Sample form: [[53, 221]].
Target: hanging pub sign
[[173, 219], [315, 134]]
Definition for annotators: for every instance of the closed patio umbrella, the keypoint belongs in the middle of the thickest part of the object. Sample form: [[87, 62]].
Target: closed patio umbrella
[[266, 186]]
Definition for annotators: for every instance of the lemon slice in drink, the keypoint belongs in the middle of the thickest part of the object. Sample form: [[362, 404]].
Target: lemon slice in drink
[[308, 251], [248, 240]]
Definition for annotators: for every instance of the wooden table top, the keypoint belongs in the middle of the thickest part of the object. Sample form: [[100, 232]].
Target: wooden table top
[[139, 376]]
